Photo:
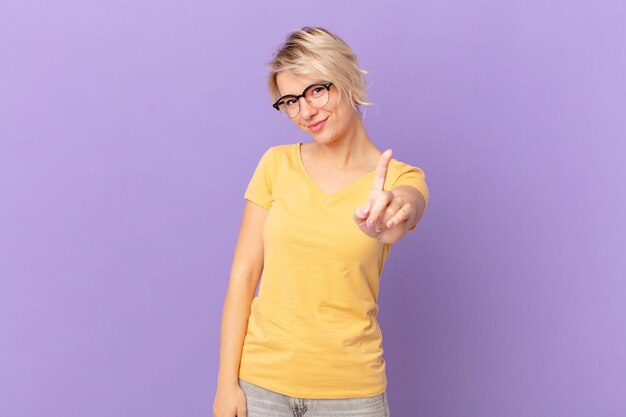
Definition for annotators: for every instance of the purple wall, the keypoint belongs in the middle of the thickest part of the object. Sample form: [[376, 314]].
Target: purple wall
[[129, 131]]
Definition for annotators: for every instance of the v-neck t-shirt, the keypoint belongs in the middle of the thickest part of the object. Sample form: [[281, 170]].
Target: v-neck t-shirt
[[312, 330]]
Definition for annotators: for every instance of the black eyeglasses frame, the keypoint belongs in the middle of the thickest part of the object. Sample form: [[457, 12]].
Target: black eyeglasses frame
[[325, 85]]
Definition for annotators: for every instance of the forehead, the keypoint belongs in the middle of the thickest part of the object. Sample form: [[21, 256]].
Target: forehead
[[289, 83]]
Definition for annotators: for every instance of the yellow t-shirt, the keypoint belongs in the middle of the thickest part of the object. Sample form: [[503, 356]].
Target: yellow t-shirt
[[312, 330]]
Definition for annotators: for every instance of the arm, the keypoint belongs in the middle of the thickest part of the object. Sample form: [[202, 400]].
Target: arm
[[390, 214], [244, 277]]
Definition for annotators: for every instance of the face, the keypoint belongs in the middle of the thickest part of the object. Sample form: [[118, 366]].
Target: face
[[338, 114]]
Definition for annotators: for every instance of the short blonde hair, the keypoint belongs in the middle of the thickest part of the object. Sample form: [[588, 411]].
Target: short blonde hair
[[317, 53]]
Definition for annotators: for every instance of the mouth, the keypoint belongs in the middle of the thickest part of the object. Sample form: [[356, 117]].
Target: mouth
[[318, 125]]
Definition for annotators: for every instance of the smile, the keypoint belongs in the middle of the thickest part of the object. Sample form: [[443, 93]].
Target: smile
[[318, 126]]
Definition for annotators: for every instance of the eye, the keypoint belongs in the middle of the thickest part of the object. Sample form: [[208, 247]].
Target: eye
[[316, 91]]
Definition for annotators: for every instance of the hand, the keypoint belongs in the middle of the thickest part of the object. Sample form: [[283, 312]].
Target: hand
[[230, 401], [384, 212]]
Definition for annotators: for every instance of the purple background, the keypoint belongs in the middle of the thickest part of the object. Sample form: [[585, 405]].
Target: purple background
[[129, 131]]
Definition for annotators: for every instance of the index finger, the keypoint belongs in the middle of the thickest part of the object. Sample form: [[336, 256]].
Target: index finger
[[381, 171]]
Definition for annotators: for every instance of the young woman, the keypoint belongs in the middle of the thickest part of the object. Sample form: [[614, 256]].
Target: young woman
[[318, 224]]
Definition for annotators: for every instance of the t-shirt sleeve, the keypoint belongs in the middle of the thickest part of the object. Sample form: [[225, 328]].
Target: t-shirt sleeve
[[259, 189], [415, 177]]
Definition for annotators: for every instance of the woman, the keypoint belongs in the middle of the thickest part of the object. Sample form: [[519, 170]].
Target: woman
[[318, 223]]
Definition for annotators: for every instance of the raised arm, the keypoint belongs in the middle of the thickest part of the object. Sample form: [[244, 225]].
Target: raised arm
[[388, 215]]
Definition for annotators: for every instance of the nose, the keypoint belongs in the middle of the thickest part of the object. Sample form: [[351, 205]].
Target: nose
[[306, 110]]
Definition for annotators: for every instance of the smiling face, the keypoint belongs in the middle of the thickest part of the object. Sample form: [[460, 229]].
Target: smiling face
[[338, 114]]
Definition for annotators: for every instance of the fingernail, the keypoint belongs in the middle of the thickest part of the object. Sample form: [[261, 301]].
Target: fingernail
[[390, 223], [365, 210], [370, 223]]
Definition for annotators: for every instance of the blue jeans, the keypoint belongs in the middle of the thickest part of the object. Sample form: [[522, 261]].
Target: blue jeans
[[261, 402]]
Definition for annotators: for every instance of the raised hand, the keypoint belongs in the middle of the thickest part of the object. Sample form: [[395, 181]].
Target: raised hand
[[384, 211]]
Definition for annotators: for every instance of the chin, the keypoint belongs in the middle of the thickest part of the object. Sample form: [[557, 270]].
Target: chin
[[325, 138]]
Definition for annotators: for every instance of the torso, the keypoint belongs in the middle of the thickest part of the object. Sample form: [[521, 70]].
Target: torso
[[331, 181]]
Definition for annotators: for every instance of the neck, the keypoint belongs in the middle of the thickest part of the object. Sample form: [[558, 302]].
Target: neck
[[352, 150]]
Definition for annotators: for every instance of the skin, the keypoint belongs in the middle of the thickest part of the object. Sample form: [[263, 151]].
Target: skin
[[340, 154]]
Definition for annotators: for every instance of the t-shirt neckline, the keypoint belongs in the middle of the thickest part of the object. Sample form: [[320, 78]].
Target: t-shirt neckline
[[345, 190]]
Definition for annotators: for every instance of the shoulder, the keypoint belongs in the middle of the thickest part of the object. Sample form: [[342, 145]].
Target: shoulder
[[282, 150], [282, 156], [398, 169], [276, 158], [277, 152], [402, 173]]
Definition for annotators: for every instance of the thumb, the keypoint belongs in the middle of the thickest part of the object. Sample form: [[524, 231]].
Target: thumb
[[363, 212]]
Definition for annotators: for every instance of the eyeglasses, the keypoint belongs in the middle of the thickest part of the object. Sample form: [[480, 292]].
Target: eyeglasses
[[316, 95]]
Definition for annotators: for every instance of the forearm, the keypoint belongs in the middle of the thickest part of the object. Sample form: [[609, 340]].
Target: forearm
[[235, 314]]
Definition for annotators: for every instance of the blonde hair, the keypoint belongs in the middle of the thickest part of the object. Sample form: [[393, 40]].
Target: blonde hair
[[317, 53]]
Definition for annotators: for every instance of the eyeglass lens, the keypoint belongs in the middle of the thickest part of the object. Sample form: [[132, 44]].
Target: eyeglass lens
[[316, 95]]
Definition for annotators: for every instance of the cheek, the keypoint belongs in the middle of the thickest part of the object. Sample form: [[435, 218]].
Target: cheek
[[343, 117]]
